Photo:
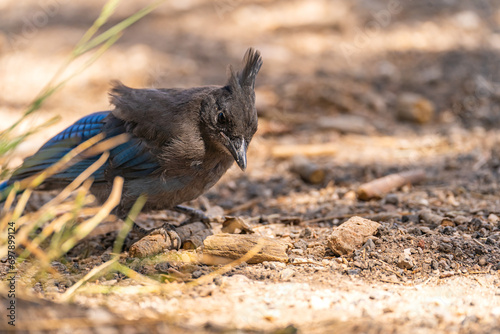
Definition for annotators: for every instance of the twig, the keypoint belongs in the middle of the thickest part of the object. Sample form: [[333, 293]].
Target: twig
[[379, 187]]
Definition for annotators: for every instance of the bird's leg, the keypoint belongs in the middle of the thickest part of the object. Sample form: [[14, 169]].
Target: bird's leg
[[195, 215]]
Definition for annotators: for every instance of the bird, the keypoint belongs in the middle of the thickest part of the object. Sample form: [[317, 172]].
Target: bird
[[180, 142]]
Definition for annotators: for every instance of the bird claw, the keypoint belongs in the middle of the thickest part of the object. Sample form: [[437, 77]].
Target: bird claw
[[169, 233]]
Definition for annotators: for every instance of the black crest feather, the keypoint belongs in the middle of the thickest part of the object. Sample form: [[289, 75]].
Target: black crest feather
[[252, 62]]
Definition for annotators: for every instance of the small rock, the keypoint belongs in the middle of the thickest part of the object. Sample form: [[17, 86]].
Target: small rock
[[351, 235], [415, 108], [306, 233], [445, 247], [467, 19], [359, 264], [493, 218], [482, 261], [287, 273], [415, 219], [353, 272], [391, 199], [460, 220], [300, 244], [269, 265], [443, 264], [51, 289], [426, 230], [350, 195], [369, 245], [197, 274], [405, 261]]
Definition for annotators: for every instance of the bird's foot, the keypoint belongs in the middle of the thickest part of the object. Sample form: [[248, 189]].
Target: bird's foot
[[170, 234], [167, 230]]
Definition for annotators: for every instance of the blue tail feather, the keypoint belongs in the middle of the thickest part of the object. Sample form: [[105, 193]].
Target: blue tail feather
[[3, 190]]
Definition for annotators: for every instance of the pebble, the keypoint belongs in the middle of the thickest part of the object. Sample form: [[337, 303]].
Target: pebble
[[405, 261], [197, 274], [353, 272], [493, 218], [483, 261], [306, 233], [391, 199], [287, 273], [51, 289], [369, 245], [425, 230]]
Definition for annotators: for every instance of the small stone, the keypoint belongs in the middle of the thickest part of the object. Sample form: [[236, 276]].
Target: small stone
[[51, 289], [350, 195], [493, 218], [467, 20], [415, 219], [415, 108], [405, 261], [197, 274], [445, 247], [351, 235], [426, 230], [359, 264], [391, 199], [353, 272], [369, 245], [287, 273], [306, 233], [483, 261]]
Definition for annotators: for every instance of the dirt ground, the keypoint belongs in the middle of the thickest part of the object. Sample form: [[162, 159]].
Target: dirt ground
[[377, 87]]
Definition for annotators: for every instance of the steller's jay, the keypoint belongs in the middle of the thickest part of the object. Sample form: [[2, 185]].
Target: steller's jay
[[181, 141]]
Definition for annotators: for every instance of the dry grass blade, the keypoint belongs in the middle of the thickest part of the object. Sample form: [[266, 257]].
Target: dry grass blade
[[64, 162], [84, 228], [129, 222], [77, 182], [68, 293]]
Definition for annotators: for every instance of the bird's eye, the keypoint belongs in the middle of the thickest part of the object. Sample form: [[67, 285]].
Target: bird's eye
[[221, 118]]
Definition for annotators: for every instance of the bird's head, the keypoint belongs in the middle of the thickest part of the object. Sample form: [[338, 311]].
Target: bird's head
[[229, 114]]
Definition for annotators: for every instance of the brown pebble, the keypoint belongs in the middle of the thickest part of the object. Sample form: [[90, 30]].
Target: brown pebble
[[415, 108], [307, 170], [351, 235]]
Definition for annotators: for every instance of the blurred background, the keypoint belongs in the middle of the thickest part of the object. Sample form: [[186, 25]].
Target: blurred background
[[351, 65]]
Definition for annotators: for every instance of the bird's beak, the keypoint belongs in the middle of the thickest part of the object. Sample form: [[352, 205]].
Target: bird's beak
[[238, 148]]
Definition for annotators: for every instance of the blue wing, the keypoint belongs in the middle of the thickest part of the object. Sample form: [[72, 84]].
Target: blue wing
[[130, 160]]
